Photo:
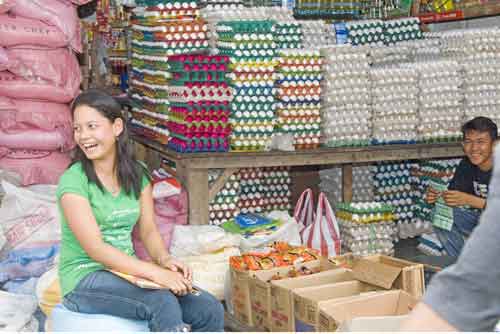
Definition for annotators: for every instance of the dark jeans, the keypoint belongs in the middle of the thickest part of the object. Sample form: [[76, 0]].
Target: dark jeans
[[102, 292], [464, 222]]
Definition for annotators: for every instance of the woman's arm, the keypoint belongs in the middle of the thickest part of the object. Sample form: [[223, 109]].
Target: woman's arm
[[151, 237], [82, 223]]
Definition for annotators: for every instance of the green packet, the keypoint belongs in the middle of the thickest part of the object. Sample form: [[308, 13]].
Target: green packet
[[232, 227]]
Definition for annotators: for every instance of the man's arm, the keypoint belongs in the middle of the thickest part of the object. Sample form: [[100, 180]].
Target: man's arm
[[423, 314]]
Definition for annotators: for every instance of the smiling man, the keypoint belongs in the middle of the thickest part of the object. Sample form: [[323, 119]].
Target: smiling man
[[468, 190]]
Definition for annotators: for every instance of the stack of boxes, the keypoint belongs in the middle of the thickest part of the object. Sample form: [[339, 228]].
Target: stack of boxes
[[200, 99], [252, 49], [299, 106], [366, 227], [346, 99]]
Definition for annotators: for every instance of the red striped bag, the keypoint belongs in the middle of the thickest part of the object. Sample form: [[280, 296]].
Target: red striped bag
[[304, 210], [324, 233]]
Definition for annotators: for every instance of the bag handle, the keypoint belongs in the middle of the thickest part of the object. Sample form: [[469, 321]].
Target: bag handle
[[333, 228], [304, 209]]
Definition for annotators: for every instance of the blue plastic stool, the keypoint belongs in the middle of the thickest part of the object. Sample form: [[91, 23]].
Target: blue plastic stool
[[64, 320]]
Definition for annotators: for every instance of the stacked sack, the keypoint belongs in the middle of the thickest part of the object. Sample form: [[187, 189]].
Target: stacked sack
[[252, 48], [251, 190], [299, 91], [367, 227], [421, 175], [171, 209], [160, 29], [200, 100], [39, 76], [346, 96], [276, 192], [440, 109], [224, 206], [395, 105], [392, 182]]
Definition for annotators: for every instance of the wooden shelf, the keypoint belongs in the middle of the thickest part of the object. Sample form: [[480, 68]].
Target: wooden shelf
[[192, 168]]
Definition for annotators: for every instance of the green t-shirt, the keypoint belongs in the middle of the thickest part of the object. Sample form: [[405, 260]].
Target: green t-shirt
[[115, 215]]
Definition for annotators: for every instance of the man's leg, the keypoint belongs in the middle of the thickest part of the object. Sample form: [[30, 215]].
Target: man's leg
[[464, 221], [102, 292], [203, 312]]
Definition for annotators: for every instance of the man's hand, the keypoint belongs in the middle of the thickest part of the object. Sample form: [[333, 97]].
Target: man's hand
[[456, 198], [432, 195]]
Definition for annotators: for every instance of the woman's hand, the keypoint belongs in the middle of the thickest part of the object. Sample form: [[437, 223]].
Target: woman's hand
[[456, 198], [173, 264], [172, 280]]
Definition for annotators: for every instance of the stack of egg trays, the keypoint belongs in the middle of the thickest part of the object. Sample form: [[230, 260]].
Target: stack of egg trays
[[276, 193], [482, 85], [224, 206], [362, 184], [200, 125], [366, 227], [400, 30], [149, 124], [366, 32], [392, 183], [251, 46], [251, 190], [346, 96], [299, 96], [440, 110], [395, 104], [288, 35], [421, 174], [316, 33]]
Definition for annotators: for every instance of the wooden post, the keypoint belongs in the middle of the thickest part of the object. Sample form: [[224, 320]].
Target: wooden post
[[347, 183], [195, 181]]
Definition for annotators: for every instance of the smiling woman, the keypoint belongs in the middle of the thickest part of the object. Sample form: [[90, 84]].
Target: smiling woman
[[101, 197]]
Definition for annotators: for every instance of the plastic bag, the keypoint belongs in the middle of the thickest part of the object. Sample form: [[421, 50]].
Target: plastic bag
[[48, 291], [61, 14], [189, 240], [16, 311], [324, 233], [304, 209], [288, 232]]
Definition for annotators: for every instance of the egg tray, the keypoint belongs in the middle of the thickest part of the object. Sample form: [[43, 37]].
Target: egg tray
[[346, 142], [162, 52], [186, 94], [196, 145], [160, 94], [230, 28], [148, 133], [203, 130], [150, 64], [199, 117]]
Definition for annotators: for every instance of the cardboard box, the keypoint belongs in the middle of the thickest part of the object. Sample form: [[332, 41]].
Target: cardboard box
[[306, 301], [373, 324], [376, 304], [240, 287], [260, 290], [282, 310], [385, 271]]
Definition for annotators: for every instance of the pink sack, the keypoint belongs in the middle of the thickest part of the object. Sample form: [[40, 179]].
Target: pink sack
[[172, 206], [19, 30], [40, 74], [166, 230], [6, 5], [35, 167], [35, 125], [61, 14]]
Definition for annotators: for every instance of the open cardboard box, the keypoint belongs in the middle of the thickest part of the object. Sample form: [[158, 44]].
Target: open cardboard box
[[306, 301], [282, 308], [385, 271], [241, 281], [260, 290], [333, 314]]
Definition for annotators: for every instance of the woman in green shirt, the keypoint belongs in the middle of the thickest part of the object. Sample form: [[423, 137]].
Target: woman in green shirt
[[101, 196]]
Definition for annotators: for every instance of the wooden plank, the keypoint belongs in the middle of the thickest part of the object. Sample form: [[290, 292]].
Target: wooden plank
[[196, 184], [309, 157], [347, 183], [215, 187]]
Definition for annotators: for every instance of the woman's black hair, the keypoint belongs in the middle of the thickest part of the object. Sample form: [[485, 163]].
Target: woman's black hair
[[130, 171]]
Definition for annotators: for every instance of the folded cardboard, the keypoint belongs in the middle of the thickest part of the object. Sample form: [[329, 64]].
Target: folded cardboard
[[375, 304], [260, 290], [282, 310], [385, 271], [373, 324], [240, 287], [306, 301]]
